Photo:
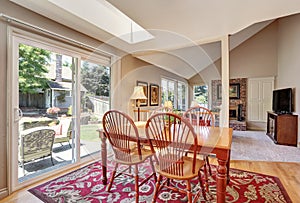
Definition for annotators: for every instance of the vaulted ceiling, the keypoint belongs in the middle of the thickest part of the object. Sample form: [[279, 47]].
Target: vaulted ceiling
[[186, 33]]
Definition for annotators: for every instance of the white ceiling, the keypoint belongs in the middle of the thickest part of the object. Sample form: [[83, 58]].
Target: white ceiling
[[179, 27]]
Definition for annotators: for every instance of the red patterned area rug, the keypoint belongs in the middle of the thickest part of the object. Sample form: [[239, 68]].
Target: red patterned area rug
[[84, 185]]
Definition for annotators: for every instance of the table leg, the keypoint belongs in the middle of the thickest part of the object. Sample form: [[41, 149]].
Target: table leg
[[221, 181], [104, 159], [228, 167]]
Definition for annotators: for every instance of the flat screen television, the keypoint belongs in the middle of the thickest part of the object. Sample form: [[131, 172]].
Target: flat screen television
[[283, 101]]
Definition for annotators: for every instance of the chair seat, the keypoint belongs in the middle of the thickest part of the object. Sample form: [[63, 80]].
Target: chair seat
[[135, 158], [187, 169]]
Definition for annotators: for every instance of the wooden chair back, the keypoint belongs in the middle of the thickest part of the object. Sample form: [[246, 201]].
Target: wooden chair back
[[170, 136], [122, 134], [200, 116]]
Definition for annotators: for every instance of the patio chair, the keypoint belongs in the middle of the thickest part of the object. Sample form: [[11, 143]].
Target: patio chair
[[170, 136], [63, 131], [123, 136], [35, 143]]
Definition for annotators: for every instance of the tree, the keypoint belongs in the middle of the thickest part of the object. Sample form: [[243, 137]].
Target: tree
[[95, 78], [33, 63], [201, 94]]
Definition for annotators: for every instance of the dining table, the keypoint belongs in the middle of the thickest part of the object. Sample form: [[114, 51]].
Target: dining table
[[211, 140]]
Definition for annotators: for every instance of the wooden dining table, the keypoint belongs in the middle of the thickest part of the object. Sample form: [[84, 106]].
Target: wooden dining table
[[212, 140]]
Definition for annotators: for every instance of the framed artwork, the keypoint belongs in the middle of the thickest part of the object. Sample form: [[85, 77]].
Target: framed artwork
[[154, 95], [234, 91], [219, 91], [143, 102]]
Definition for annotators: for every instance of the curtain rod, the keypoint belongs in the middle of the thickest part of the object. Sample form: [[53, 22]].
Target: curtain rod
[[10, 19]]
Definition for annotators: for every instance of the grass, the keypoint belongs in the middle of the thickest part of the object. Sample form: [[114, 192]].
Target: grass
[[89, 132]]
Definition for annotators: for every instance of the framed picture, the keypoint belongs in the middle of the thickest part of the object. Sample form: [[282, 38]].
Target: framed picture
[[154, 95], [143, 102], [234, 91], [219, 91]]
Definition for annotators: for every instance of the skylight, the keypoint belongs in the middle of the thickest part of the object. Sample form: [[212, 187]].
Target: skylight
[[107, 17]]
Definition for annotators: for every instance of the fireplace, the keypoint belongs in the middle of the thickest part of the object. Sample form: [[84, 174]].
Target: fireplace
[[233, 112]]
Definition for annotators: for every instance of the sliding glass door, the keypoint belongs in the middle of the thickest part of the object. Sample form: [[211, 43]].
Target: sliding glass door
[[57, 99]]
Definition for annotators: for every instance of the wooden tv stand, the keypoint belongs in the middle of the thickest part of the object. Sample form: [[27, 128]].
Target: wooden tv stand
[[282, 128]]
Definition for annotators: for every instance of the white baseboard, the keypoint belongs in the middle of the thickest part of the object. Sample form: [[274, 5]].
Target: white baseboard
[[3, 193]]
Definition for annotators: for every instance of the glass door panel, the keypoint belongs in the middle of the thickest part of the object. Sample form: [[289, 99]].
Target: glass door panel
[[45, 100], [95, 88]]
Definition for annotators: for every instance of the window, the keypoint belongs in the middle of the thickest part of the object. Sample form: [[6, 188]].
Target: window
[[201, 95], [174, 91]]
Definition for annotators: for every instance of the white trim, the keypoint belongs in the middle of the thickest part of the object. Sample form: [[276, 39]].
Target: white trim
[[3, 193]]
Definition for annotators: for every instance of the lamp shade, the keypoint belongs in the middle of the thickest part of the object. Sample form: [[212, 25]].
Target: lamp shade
[[138, 93]]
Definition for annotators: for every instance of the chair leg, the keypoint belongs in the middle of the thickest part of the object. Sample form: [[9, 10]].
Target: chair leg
[[207, 163], [136, 183], [206, 177], [52, 160], [156, 188], [23, 168], [112, 177], [201, 185], [153, 169], [189, 193]]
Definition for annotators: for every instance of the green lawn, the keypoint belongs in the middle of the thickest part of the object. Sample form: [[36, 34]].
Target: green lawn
[[89, 132]]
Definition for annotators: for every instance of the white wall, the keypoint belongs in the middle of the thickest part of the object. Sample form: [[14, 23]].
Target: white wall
[[289, 59]]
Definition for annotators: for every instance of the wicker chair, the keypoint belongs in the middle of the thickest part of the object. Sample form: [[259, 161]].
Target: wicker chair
[[35, 143], [123, 136], [170, 137]]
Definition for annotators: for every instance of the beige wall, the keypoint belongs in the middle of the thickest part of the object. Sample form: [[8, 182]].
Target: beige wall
[[257, 56], [134, 69], [289, 59]]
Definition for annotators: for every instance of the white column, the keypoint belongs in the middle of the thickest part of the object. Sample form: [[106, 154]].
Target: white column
[[224, 114]]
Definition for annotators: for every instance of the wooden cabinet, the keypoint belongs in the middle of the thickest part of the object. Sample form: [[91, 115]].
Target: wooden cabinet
[[283, 128]]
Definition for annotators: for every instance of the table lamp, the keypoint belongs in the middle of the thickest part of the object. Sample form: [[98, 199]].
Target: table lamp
[[138, 94]]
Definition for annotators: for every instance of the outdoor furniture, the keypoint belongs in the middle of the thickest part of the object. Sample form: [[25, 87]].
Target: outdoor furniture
[[123, 136], [169, 135], [63, 131], [35, 143]]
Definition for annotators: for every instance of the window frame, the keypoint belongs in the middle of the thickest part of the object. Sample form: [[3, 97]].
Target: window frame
[[176, 92]]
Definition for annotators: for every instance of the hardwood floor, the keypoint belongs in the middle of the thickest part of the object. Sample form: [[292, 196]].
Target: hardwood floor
[[288, 173]]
